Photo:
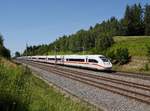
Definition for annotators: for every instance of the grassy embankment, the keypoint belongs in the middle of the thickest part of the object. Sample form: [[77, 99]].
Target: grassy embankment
[[137, 46], [21, 91]]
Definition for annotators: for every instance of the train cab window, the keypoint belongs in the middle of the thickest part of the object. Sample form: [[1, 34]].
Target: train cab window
[[104, 59], [93, 61]]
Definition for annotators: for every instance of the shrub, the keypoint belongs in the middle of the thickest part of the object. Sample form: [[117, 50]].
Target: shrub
[[120, 55]]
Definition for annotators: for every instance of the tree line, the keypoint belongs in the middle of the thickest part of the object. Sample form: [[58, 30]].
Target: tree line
[[4, 52], [97, 39]]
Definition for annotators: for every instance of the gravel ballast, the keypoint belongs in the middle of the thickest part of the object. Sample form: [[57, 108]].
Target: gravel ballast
[[101, 98]]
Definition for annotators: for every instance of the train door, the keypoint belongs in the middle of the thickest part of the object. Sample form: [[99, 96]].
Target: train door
[[86, 60], [55, 59], [87, 63], [62, 60]]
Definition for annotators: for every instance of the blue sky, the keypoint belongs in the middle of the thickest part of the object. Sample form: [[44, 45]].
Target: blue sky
[[42, 21]]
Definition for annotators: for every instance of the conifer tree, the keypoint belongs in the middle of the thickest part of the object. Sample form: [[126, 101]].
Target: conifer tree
[[147, 19], [133, 20], [1, 40]]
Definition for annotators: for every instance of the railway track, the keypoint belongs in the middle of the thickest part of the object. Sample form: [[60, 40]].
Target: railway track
[[123, 74], [132, 90], [133, 75], [132, 84]]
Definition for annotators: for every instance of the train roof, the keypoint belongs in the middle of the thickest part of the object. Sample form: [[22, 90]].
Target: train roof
[[75, 55]]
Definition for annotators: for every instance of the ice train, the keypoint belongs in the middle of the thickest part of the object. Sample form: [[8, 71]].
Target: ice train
[[98, 62]]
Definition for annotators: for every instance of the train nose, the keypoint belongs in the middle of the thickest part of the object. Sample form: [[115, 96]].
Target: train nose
[[108, 65]]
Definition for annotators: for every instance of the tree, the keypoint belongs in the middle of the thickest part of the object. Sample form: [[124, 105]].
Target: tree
[[147, 19], [133, 20], [1, 40], [4, 52], [126, 20], [103, 42], [17, 54]]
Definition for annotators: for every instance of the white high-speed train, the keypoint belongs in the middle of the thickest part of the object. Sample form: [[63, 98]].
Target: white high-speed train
[[99, 62]]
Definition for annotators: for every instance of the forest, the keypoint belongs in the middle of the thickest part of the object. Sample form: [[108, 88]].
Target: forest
[[97, 39]]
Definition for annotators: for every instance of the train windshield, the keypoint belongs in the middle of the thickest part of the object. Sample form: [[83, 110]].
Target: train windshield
[[104, 59]]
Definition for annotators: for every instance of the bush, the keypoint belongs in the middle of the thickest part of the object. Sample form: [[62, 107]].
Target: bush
[[120, 56]]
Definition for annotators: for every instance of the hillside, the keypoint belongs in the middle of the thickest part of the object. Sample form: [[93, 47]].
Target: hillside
[[137, 45]]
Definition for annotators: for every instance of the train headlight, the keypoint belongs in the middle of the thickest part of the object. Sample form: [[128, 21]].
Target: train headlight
[[105, 63]]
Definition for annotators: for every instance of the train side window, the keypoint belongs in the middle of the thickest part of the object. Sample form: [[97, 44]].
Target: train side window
[[42, 58], [58, 59], [93, 61], [51, 59], [77, 60]]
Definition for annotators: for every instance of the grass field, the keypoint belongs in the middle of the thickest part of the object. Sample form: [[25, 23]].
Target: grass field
[[135, 44], [19, 86]]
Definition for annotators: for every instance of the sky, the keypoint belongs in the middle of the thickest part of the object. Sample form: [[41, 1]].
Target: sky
[[42, 21]]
